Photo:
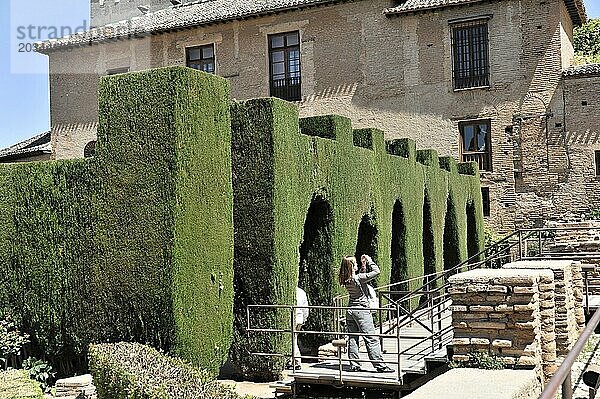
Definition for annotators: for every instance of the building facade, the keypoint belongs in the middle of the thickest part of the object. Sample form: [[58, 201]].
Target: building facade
[[484, 81]]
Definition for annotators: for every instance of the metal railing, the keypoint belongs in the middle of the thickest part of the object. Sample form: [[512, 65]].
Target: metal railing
[[336, 334], [562, 376], [411, 301]]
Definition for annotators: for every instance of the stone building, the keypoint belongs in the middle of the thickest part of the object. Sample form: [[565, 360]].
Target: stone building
[[488, 81]]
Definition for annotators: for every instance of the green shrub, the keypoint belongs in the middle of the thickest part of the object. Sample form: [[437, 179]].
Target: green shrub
[[299, 203], [16, 384], [135, 371], [480, 360], [40, 371], [136, 244]]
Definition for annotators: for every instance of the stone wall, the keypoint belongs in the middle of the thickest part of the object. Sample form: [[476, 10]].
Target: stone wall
[[507, 313], [395, 74], [568, 299]]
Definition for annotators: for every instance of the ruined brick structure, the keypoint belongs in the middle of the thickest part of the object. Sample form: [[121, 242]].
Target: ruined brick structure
[[528, 313], [391, 65]]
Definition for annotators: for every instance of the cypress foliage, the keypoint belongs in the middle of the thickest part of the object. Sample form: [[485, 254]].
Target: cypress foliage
[[136, 244], [303, 201]]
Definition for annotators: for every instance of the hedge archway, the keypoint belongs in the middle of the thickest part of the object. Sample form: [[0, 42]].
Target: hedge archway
[[451, 240], [366, 242], [316, 258]]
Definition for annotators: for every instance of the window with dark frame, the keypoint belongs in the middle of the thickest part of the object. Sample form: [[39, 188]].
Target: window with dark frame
[[201, 58], [284, 66], [90, 149], [475, 143], [470, 48], [116, 71], [597, 159], [485, 197]]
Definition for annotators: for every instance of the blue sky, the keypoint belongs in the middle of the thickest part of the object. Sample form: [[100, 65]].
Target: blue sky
[[24, 92]]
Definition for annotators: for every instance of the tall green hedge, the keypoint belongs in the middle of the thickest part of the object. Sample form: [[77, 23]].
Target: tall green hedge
[[136, 244], [356, 175]]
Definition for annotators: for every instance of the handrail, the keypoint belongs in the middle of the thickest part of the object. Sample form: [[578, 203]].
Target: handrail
[[562, 376], [397, 311]]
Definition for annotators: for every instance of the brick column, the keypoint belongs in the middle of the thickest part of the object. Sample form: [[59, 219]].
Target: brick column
[[508, 313], [568, 295]]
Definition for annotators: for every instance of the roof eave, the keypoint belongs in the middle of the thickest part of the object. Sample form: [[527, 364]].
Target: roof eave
[[140, 35]]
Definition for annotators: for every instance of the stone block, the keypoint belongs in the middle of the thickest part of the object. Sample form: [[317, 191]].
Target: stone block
[[480, 341], [458, 308], [481, 308], [502, 343], [529, 325], [461, 341], [530, 307], [527, 361], [491, 325], [504, 308], [524, 290]]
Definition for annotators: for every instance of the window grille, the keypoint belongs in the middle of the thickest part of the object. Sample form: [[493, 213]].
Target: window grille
[[470, 48], [201, 58], [284, 66]]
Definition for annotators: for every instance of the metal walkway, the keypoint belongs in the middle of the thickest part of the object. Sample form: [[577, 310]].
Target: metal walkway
[[417, 327]]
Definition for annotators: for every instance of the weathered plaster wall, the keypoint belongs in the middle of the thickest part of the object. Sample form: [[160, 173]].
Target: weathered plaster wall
[[394, 74]]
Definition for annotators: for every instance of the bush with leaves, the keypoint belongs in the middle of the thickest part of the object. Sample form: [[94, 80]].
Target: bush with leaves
[[11, 341], [586, 41], [40, 371], [480, 360], [136, 371]]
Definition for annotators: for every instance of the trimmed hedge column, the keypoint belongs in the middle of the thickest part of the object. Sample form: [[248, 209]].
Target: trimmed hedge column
[[164, 148], [136, 244]]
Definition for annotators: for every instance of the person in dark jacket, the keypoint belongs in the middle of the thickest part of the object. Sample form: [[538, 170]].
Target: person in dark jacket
[[361, 320]]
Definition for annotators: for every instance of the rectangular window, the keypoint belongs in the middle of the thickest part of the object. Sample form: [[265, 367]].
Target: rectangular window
[[201, 58], [116, 71], [597, 159], [485, 196], [471, 67], [475, 143], [284, 66]]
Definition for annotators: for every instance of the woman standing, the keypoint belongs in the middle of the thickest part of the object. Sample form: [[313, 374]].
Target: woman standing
[[359, 320]]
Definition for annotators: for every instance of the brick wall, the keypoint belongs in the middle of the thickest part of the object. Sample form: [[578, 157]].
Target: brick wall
[[508, 313], [568, 299], [394, 74]]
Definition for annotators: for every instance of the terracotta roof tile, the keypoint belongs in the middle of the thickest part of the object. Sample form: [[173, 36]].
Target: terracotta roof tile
[[187, 15], [583, 70], [576, 8]]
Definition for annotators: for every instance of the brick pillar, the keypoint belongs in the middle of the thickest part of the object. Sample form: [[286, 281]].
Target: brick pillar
[[578, 287], [508, 313], [568, 295]]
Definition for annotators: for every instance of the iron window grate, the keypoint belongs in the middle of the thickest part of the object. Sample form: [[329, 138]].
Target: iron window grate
[[470, 46]]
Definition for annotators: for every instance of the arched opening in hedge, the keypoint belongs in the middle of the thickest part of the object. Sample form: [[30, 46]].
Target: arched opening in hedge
[[366, 242], [472, 235], [428, 245], [316, 260], [451, 240], [399, 270]]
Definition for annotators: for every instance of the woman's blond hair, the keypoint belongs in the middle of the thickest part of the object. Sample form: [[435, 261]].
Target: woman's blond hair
[[346, 269]]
